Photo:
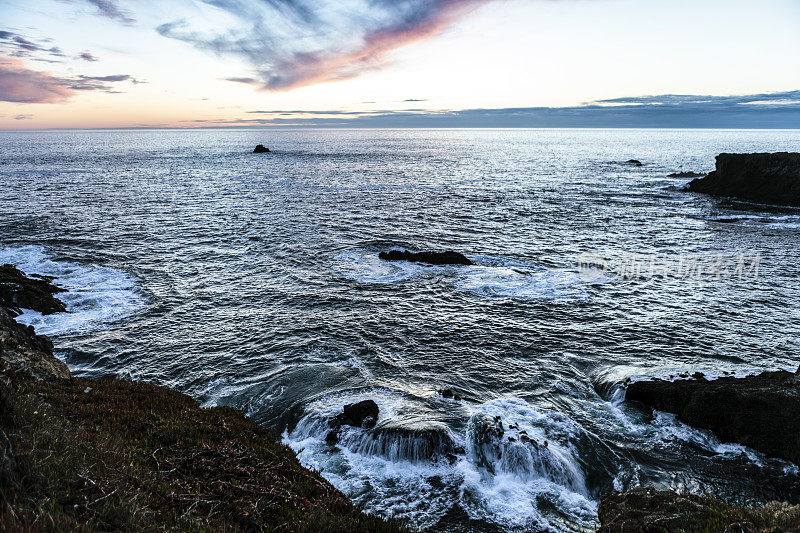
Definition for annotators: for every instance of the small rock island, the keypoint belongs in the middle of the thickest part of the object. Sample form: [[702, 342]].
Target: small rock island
[[430, 258]]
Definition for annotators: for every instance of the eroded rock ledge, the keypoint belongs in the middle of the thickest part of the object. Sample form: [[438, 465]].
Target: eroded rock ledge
[[18, 290], [768, 178], [762, 411]]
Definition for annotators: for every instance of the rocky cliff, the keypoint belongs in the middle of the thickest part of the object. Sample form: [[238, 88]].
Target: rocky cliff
[[767, 178]]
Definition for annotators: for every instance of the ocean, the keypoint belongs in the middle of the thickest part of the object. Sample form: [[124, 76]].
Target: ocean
[[252, 280]]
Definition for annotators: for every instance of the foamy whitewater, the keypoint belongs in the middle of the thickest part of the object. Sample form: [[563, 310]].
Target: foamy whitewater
[[253, 280]]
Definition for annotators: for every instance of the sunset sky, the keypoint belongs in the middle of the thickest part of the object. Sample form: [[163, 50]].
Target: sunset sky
[[193, 63]]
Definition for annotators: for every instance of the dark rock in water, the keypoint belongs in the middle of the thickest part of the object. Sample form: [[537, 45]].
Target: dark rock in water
[[332, 437], [634, 162], [457, 520], [770, 178], [685, 175], [486, 433], [762, 412], [448, 394], [261, 149], [414, 442], [432, 258], [726, 220], [19, 290], [361, 414]]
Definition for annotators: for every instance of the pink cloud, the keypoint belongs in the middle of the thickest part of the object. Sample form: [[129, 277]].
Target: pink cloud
[[20, 84]]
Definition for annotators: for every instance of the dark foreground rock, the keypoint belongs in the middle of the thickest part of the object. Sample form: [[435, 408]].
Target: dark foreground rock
[[762, 412], [685, 175], [646, 509], [27, 354], [431, 258], [18, 290], [261, 149], [769, 178]]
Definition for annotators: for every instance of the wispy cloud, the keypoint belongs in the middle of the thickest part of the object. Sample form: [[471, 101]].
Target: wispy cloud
[[248, 81], [26, 116], [292, 43], [110, 9], [16, 45], [21, 84], [86, 56]]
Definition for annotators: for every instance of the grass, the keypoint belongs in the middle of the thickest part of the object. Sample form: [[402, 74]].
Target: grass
[[648, 510], [771, 517], [110, 455]]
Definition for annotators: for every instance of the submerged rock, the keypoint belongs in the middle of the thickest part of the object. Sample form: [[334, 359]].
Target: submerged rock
[[685, 175], [18, 290], [498, 451], [762, 412], [404, 442], [432, 258], [361, 414], [634, 162], [261, 149], [448, 394], [771, 178]]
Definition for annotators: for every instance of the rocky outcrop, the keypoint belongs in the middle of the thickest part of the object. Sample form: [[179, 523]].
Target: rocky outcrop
[[18, 290], [685, 175], [769, 178], [646, 509], [22, 351], [403, 441], [431, 258], [762, 412], [26, 353], [261, 149], [361, 414]]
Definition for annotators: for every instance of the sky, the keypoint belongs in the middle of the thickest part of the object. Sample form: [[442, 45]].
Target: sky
[[399, 63]]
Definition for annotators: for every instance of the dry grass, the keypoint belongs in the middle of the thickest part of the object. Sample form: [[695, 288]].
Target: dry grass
[[129, 456]]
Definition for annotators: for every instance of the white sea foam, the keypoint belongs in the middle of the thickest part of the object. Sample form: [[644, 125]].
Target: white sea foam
[[490, 277], [365, 267], [493, 478], [519, 284], [506, 479], [95, 297], [383, 476]]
